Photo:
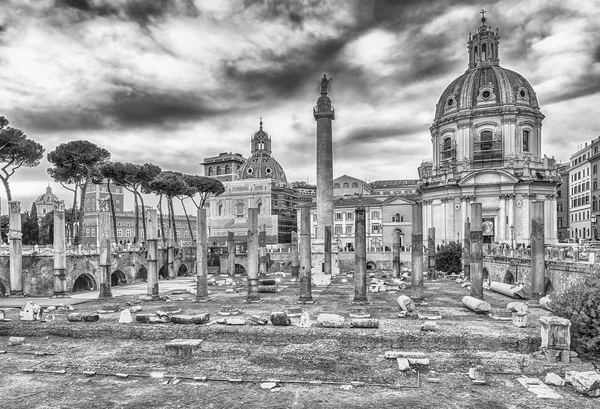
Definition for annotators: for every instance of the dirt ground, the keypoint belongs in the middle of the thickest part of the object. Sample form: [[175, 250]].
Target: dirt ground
[[311, 364]]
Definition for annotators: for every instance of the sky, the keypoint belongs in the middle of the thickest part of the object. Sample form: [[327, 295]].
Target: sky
[[174, 82]]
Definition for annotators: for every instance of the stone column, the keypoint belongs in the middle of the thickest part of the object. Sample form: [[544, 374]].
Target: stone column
[[467, 250], [171, 254], [464, 217], [327, 251], [230, 254], [105, 260], [360, 256], [431, 251], [295, 255], [60, 252], [253, 255], [476, 252], [262, 251], [444, 230], [324, 114], [152, 254], [501, 218], [201, 258], [305, 257], [16, 249], [396, 254], [538, 266], [417, 252]]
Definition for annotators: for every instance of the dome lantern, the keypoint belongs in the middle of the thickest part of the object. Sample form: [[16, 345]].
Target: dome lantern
[[483, 46]]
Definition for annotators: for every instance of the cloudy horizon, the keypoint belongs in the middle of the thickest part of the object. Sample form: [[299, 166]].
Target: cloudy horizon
[[174, 82]]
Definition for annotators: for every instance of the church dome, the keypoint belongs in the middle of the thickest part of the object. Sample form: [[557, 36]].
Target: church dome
[[485, 85], [47, 198], [261, 164]]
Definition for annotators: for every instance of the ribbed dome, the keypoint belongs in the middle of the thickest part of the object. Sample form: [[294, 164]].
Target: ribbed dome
[[484, 87], [47, 198]]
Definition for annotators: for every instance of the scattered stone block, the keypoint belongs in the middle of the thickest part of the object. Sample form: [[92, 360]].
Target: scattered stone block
[[514, 291], [229, 291], [405, 303], [545, 303], [404, 354], [30, 312], [477, 375], [519, 319], [182, 347], [125, 317], [280, 319], [267, 288], [256, 320], [359, 313], [465, 284], [267, 281], [364, 323], [536, 386], [182, 319], [109, 308], [91, 317], [304, 321], [429, 326], [403, 364], [331, 320], [587, 383], [517, 306], [227, 310], [201, 318], [136, 308], [556, 333], [75, 317], [15, 341], [293, 312], [143, 318], [476, 305], [51, 308], [321, 280], [554, 379], [170, 309], [429, 315], [419, 361], [500, 315], [235, 321]]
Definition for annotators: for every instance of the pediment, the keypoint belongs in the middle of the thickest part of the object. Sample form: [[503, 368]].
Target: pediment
[[488, 177]]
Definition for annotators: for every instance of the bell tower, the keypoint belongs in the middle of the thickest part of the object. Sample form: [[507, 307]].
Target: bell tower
[[483, 46], [261, 142]]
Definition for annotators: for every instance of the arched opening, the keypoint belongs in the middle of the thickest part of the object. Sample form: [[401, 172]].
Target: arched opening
[[117, 278], [142, 274], [509, 278], [486, 275], [371, 265], [259, 207], [548, 288], [85, 282], [210, 171], [182, 270], [163, 272], [239, 269], [220, 209]]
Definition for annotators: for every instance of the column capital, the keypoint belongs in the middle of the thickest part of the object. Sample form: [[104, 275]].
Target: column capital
[[15, 207], [551, 196], [59, 206]]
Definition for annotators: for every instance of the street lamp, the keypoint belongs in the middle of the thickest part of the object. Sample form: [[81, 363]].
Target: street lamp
[[512, 236]]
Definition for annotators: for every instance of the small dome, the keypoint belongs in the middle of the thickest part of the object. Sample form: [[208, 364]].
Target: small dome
[[47, 198], [485, 87]]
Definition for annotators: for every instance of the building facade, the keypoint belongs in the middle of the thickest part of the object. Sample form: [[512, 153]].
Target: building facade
[[562, 204], [595, 165], [96, 192], [407, 188], [486, 136], [45, 203], [580, 207], [347, 185], [223, 167]]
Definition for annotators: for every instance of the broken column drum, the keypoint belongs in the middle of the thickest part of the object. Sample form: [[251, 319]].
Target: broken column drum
[[230, 254], [360, 256], [253, 255], [538, 264], [396, 254], [202, 258], [60, 252], [16, 249], [152, 254], [305, 256], [476, 252], [105, 261], [324, 115], [417, 252]]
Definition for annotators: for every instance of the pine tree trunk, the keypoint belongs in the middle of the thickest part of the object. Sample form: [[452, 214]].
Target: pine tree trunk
[[143, 214], [188, 220], [170, 202], [112, 211], [7, 188], [162, 222], [137, 217], [73, 214], [81, 212]]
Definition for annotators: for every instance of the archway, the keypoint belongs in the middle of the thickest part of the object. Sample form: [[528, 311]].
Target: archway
[[509, 278], [85, 282], [117, 278], [142, 274], [486, 275], [182, 270], [371, 265], [239, 269], [163, 272]]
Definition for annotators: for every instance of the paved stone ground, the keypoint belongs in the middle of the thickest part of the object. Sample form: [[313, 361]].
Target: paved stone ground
[[252, 353]]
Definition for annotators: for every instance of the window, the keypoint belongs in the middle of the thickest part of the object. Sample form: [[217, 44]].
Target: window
[[87, 232], [525, 141], [210, 171], [587, 185], [355, 184], [117, 201], [119, 232], [348, 229], [375, 228], [447, 151], [560, 222], [375, 215], [314, 217], [338, 216], [227, 169], [218, 170], [595, 185], [396, 217], [595, 168], [186, 234], [338, 229], [487, 151], [220, 209], [336, 185], [128, 233], [346, 185], [239, 209], [349, 216]]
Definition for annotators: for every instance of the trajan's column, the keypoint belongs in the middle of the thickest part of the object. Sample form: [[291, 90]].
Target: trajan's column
[[324, 114]]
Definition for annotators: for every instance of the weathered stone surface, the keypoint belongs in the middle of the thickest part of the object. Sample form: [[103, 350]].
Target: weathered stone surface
[[267, 288], [235, 321], [587, 383], [293, 312], [256, 320], [517, 306], [364, 323], [280, 319], [143, 318], [331, 320], [476, 305], [182, 347], [109, 308], [136, 308], [419, 361], [267, 281], [405, 303], [554, 379], [536, 386], [2, 315], [359, 313], [15, 341], [404, 354], [182, 319], [556, 333], [429, 326], [403, 364], [201, 318], [30, 312], [75, 317], [477, 375], [229, 310], [304, 321], [91, 317], [125, 317], [429, 315], [499, 314], [519, 319], [514, 291], [545, 303]]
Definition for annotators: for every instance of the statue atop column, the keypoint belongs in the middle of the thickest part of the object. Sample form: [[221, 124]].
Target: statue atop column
[[325, 84]]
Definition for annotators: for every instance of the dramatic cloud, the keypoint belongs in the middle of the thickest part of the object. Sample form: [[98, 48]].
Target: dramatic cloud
[[174, 81]]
